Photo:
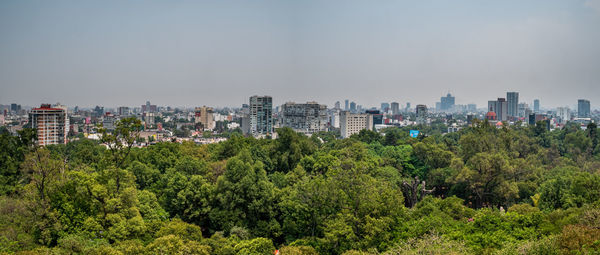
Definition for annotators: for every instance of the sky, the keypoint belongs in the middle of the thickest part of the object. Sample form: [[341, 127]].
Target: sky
[[219, 53]]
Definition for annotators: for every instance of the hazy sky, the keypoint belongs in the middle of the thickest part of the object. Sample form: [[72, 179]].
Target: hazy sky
[[218, 53]]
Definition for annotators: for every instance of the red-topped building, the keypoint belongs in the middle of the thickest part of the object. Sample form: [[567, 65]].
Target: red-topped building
[[51, 124]]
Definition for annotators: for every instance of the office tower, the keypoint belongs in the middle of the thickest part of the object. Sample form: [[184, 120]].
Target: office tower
[[261, 115], [492, 106], [51, 124], [438, 106], [346, 106], [377, 117], [522, 109], [205, 116], [15, 108], [337, 105], [308, 118], [583, 108], [353, 107], [563, 114], [384, 107], [395, 108], [502, 109], [536, 106], [407, 107], [447, 102], [512, 100], [353, 123]]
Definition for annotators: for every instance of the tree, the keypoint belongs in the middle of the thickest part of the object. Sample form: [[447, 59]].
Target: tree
[[121, 139]]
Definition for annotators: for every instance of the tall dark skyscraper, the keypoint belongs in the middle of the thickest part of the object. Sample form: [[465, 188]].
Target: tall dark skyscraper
[[536, 106], [512, 100], [447, 102], [583, 108]]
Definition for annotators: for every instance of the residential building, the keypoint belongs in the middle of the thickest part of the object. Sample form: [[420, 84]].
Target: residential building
[[205, 116], [353, 123], [261, 115], [51, 124]]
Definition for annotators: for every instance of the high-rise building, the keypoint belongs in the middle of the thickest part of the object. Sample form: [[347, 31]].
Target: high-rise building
[[536, 106], [308, 118], [205, 116], [346, 106], [522, 112], [492, 106], [377, 117], [353, 123], [447, 103], [261, 115], [51, 124], [384, 107], [421, 111], [407, 107], [583, 108], [337, 105], [563, 114], [502, 109], [512, 100], [353, 107], [395, 108]]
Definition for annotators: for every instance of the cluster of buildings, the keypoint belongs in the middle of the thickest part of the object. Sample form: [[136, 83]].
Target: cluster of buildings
[[56, 124]]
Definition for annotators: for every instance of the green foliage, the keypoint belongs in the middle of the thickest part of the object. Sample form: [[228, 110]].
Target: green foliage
[[305, 195]]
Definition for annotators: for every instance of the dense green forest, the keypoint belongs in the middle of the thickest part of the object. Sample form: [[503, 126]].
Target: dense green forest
[[482, 190]]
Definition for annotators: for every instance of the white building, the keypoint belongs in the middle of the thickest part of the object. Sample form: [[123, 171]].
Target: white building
[[353, 123]]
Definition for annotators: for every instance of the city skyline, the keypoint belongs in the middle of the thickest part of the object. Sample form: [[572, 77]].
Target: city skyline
[[217, 53]]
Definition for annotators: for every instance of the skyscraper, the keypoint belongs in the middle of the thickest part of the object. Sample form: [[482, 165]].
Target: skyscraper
[[536, 106], [512, 99], [384, 107], [353, 107], [346, 105], [261, 115], [502, 109], [583, 108], [337, 105], [51, 124], [395, 108], [447, 102]]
